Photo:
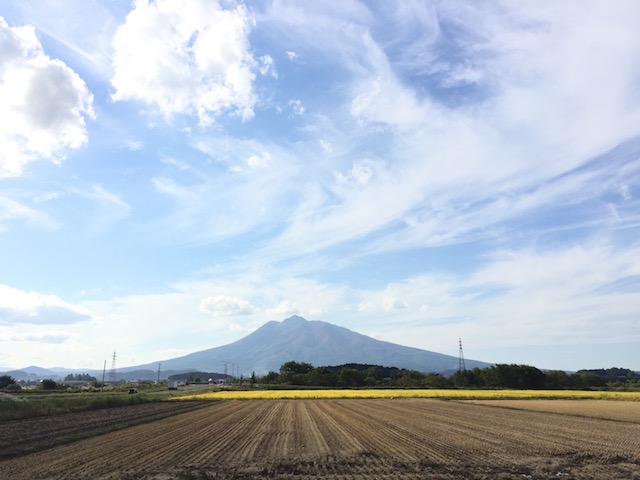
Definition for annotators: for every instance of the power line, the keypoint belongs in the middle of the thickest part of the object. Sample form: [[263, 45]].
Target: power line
[[112, 372], [461, 365]]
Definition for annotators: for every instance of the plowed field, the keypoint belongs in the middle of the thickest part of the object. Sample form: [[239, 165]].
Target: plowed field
[[352, 439]]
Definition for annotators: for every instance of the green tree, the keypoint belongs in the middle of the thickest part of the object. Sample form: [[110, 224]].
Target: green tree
[[322, 377], [373, 376], [295, 373], [271, 378], [48, 384], [557, 380], [350, 377], [409, 378], [6, 380], [467, 378], [435, 380], [512, 376], [80, 377]]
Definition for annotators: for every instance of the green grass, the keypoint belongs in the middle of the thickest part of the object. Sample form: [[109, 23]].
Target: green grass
[[41, 404]]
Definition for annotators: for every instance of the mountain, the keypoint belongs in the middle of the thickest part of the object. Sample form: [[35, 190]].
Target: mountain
[[315, 342], [31, 373]]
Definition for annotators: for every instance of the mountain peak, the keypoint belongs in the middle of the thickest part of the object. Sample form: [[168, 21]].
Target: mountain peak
[[294, 319]]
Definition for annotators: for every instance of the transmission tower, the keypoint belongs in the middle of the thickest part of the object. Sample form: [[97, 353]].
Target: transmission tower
[[112, 372], [461, 366]]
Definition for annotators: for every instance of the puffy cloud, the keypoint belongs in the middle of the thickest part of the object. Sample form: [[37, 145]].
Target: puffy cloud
[[226, 306], [191, 58], [255, 161], [390, 303], [285, 308], [18, 307], [44, 102]]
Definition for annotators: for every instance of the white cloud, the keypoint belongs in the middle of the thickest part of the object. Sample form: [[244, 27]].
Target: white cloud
[[625, 192], [53, 338], [19, 307], [291, 55], [11, 210], [191, 58], [45, 103], [226, 306], [360, 173], [267, 66], [133, 145], [514, 147], [568, 295], [392, 303], [297, 106], [109, 208], [255, 161], [326, 145], [251, 194], [46, 197], [285, 309], [82, 30]]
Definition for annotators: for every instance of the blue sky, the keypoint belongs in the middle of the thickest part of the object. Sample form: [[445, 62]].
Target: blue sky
[[175, 174]]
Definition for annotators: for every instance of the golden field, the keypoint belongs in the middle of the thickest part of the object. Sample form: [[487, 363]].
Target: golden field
[[411, 393]]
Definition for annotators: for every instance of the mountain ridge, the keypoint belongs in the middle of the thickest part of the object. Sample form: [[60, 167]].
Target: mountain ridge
[[274, 343], [313, 341]]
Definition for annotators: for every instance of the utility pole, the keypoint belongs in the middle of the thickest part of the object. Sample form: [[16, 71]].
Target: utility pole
[[158, 382], [104, 370]]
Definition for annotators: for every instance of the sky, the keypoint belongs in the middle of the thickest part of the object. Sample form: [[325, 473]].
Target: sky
[[173, 175]]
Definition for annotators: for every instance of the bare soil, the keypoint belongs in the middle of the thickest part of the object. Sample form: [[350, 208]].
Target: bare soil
[[19, 437], [350, 439], [623, 411]]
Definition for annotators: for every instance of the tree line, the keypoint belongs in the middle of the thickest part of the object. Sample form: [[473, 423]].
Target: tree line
[[511, 376]]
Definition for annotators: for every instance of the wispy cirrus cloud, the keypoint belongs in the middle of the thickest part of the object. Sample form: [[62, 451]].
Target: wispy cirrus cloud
[[12, 210], [48, 338], [417, 173]]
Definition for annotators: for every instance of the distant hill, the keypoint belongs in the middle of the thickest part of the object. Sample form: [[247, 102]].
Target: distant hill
[[32, 373], [315, 342]]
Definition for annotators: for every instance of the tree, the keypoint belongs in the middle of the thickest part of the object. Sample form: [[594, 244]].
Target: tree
[[322, 377], [271, 377], [350, 377], [557, 380], [467, 378], [80, 377], [295, 373], [6, 380], [48, 384], [374, 376]]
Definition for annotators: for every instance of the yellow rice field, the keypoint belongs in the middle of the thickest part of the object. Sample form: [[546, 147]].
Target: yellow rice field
[[412, 393]]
